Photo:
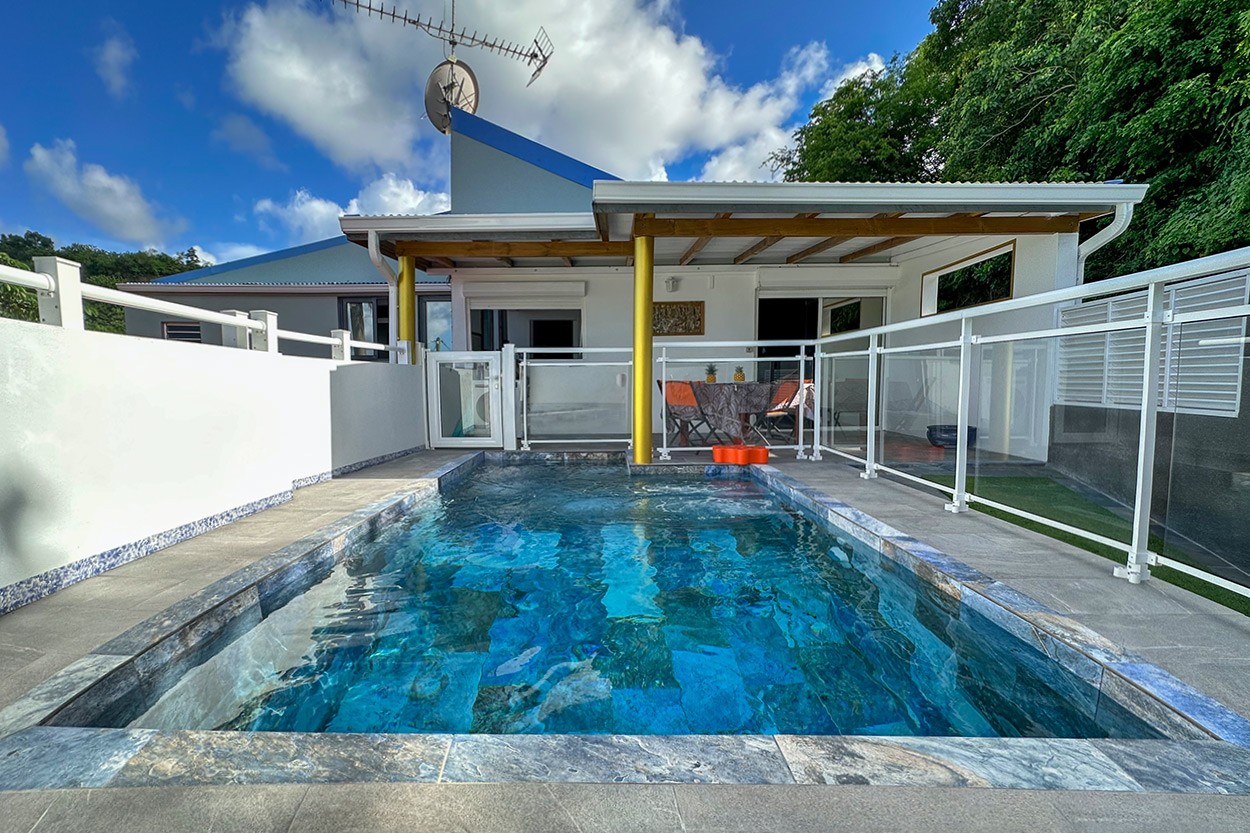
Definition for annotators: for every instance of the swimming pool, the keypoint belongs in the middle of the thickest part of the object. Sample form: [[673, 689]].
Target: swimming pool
[[579, 599]]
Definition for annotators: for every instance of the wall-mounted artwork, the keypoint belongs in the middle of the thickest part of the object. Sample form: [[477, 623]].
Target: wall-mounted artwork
[[677, 318]]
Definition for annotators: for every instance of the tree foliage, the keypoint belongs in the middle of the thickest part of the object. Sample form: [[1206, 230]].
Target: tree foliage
[[99, 267], [1152, 91]]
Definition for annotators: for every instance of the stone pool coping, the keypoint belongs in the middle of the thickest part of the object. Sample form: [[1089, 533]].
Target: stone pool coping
[[1205, 753]]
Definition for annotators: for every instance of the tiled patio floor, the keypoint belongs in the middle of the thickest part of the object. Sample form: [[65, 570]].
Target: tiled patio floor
[[1195, 639]]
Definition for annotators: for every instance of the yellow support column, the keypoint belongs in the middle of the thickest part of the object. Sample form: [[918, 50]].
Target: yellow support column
[[644, 282], [407, 312]]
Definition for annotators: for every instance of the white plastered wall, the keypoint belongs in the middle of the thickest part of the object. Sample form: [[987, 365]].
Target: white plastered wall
[[108, 440]]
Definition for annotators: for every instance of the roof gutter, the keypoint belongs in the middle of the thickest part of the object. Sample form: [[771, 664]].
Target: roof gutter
[[1118, 225], [392, 283]]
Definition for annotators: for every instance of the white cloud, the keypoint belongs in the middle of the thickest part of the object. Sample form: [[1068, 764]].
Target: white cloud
[[306, 217], [226, 252], [113, 59], [242, 135], [112, 202], [872, 63], [624, 90], [4, 147]]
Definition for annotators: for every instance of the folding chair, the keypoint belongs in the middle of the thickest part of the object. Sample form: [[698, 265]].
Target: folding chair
[[781, 418], [685, 417]]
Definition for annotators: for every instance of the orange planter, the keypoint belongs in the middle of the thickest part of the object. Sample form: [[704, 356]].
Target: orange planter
[[720, 453], [738, 455], [757, 454]]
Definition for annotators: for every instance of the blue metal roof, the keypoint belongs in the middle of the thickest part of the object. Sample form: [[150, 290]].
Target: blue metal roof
[[527, 150], [256, 260]]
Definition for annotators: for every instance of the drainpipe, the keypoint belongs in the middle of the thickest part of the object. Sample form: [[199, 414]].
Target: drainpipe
[[1123, 216], [379, 262]]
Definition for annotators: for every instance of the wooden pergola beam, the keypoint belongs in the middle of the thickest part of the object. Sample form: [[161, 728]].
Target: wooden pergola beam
[[445, 262], [697, 245], [765, 243], [512, 249], [855, 226]]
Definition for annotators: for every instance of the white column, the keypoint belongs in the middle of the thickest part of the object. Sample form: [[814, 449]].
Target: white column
[[235, 336], [265, 340], [341, 352], [959, 501], [507, 395], [1137, 569], [62, 306], [870, 468]]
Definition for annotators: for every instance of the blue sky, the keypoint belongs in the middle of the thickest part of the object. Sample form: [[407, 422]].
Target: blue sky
[[244, 127]]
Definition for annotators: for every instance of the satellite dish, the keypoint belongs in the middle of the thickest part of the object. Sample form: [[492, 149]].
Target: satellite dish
[[451, 84]]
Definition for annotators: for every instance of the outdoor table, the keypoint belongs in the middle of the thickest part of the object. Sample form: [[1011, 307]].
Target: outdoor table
[[729, 406]]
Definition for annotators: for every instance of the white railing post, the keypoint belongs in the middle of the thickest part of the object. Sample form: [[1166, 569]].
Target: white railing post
[[1137, 569], [235, 336], [341, 352], [507, 399], [817, 393], [664, 452], [798, 454], [62, 306], [402, 356], [265, 340], [870, 467], [525, 401], [959, 500]]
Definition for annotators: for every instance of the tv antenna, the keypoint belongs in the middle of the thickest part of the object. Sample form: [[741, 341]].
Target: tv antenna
[[452, 83]]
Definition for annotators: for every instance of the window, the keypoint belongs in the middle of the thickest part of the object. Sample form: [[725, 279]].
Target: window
[[980, 279], [1200, 363], [434, 321], [366, 319], [181, 331]]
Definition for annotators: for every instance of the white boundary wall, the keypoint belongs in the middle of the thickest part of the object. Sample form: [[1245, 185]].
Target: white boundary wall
[[111, 441]]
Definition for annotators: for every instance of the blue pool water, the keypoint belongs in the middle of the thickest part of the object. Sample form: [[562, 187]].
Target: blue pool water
[[579, 600]]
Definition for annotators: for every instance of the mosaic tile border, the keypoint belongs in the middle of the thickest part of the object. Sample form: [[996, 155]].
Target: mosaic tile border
[[373, 461], [13, 596], [57, 756], [36, 587]]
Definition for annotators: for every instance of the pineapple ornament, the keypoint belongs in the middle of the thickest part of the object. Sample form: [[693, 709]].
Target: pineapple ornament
[[710, 370], [739, 374]]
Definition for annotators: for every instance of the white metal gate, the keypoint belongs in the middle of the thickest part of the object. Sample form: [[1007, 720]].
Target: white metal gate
[[464, 401]]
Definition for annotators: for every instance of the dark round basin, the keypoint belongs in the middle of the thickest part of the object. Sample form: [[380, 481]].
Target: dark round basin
[[943, 436]]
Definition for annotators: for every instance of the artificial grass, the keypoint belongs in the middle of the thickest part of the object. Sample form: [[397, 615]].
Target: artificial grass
[[1043, 496]]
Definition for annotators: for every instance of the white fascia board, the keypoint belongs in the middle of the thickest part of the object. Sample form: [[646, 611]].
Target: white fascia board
[[546, 226], [860, 197], [379, 288]]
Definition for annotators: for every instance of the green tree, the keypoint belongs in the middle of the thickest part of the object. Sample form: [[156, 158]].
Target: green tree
[[99, 267], [1152, 91], [16, 301]]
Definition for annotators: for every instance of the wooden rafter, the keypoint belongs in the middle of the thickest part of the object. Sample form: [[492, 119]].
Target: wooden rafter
[[830, 242], [445, 262], [817, 248], [512, 249], [766, 242], [698, 244], [507, 261], [568, 261], [887, 244], [855, 226]]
